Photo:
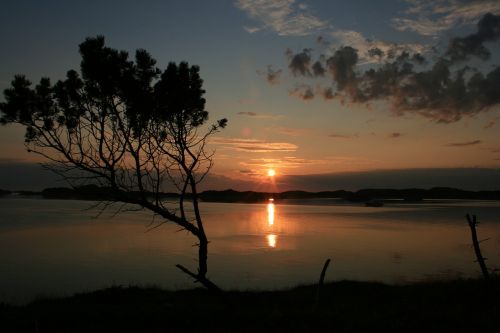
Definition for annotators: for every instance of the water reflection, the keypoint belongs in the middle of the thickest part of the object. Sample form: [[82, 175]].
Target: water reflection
[[270, 213], [271, 238], [60, 239]]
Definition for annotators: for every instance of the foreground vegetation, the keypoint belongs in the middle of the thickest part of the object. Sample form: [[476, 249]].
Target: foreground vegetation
[[453, 306]]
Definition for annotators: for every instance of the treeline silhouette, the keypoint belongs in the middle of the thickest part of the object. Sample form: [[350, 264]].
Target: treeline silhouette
[[4, 192], [94, 192], [409, 195]]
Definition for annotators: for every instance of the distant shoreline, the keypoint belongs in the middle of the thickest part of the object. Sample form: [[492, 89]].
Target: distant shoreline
[[415, 195]]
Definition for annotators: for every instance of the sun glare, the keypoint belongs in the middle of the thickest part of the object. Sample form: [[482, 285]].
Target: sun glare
[[271, 172], [272, 240], [270, 213]]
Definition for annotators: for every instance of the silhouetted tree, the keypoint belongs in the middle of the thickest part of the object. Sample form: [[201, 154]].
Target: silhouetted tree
[[125, 125]]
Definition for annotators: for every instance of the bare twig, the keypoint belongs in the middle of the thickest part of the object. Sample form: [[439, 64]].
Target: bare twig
[[480, 259], [320, 283]]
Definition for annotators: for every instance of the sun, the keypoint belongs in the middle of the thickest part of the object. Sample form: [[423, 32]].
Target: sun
[[271, 172]]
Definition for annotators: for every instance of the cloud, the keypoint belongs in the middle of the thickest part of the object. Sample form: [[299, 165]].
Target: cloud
[[285, 17], [343, 136], [368, 51], [394, 135], [304, 92], [423, 26], [272, 76], [251, 114], [249, 172], [300, 62], [254, 145], [488, 30], [464, 144], [19, 175], [341, 66], [318, 69], [252, 30], [441, 91], [259, 115], [284, 163], [327, 93], [432, 17], [27, 176], [221, 182], [373, 50], [464, 178]]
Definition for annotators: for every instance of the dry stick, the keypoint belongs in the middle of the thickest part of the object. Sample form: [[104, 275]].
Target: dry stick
[[480, 259], [199, 278], [320, 283]]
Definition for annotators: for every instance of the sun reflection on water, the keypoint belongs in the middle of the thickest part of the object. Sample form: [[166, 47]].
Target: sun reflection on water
[[270, 213], [272, 240]]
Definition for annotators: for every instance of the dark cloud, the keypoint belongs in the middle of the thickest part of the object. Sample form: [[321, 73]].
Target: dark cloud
[[395, 135], [341, 66], [27, 176], [376, 53], [304, 92], [327, 93], [318, 69], [272, 76], [259, 115], [488, 30], [440, 91], [419, 59], [300, 63], [464, 144], [464, 178]]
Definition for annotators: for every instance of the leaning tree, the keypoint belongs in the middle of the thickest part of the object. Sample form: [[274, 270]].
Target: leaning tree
[[125, 125]]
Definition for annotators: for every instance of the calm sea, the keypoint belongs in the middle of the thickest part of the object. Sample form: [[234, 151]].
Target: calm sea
[[59, 247]]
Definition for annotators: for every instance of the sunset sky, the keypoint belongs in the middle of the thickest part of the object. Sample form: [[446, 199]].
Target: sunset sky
[[293, 103]]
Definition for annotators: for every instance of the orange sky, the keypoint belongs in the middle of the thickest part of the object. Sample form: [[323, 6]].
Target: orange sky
[[257, 60]]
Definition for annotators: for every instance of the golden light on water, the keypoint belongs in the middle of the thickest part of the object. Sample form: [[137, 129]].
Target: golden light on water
[[270, 213], [272, 240]]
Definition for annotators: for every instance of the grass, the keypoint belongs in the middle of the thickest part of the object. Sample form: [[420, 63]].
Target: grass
[[346, 306]]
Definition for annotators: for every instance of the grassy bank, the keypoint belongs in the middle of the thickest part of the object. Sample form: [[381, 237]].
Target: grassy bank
[[453, 306]]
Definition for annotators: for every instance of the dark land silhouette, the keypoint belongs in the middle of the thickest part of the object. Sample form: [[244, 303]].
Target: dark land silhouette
[[94, 192], [346, 306]]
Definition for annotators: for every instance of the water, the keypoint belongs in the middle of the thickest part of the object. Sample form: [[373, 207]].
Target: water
[[57, 248]]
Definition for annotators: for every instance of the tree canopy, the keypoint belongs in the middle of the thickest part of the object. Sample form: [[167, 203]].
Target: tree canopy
[[124, 124]]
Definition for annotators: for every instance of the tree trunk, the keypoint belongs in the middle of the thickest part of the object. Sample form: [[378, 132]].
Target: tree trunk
[[201, 276]]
